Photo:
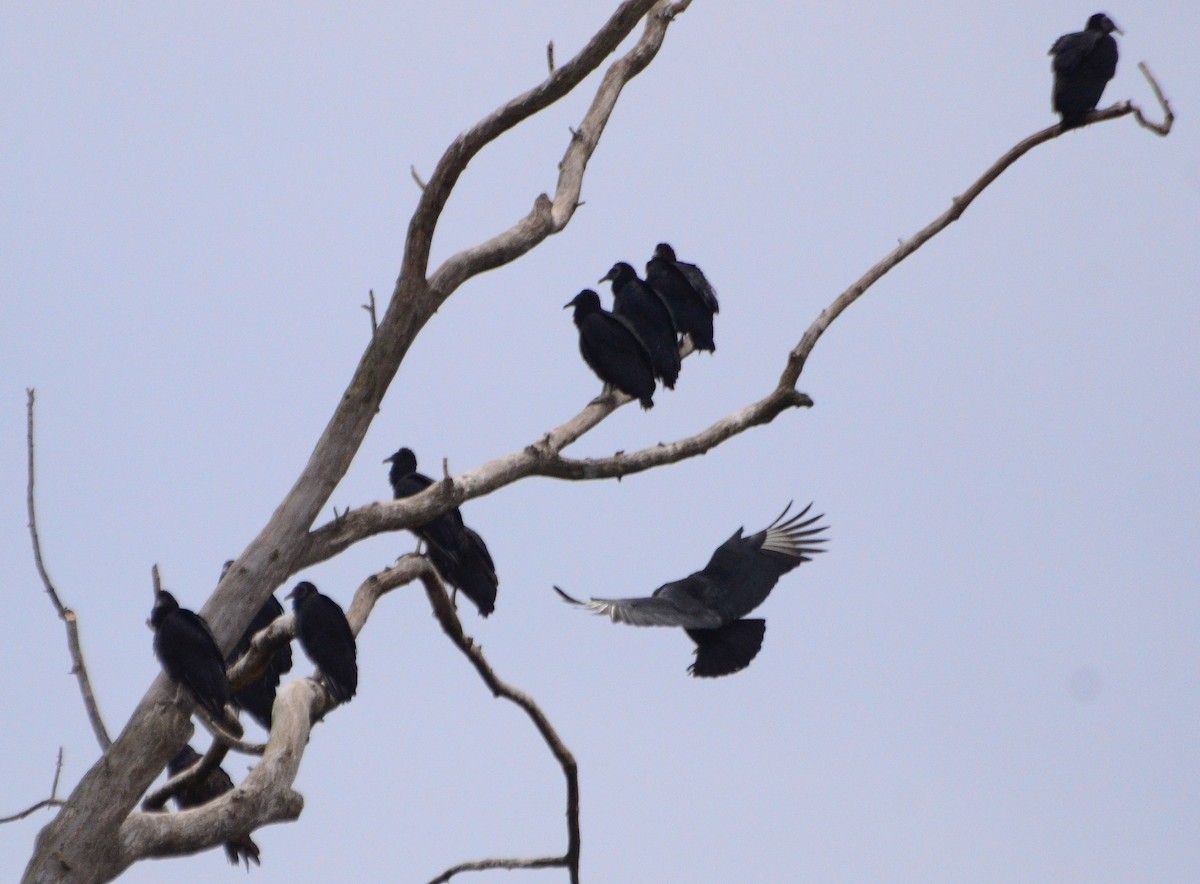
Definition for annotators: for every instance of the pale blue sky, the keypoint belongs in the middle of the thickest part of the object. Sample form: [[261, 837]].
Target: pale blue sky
[[994, 673]]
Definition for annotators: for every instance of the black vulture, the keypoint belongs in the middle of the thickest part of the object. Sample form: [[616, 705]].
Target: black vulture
[[648, 314], [458, 553], [189, 654], [1083, 64], [612, 349], [216, 784], [688, 294], [258, 697], [709, 604], [326, 637]]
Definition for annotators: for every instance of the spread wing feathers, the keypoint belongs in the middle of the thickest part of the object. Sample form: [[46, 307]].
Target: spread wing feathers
[[744, 570], [669, 606], [728, 649], [216, 784], [463, 560]]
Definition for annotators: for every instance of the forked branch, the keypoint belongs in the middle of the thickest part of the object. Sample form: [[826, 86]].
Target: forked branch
[[52, 801]]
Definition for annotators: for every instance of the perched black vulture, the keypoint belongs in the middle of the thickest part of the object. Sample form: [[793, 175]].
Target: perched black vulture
[[688, 294], [216, 784], [1083, 64], [258, 697], [458, 553], [612, 349], [648, 314], [326, 637], [189, 654], [709, 604]]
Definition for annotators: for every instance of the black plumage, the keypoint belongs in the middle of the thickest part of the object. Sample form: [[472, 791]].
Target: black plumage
[[612, 349], [326, 637], [711, 603], [213, 786], [1083, 64], [647, 312], [688, 293], [188, 652], [258, 697], [458, 552]]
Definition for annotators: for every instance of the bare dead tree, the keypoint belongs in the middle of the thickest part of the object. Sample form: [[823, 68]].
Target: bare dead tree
[[97, 834]]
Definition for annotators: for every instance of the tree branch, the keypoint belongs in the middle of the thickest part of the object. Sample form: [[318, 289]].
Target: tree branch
[[548, 216], [52, 801], [446, 616], [958, 205], [208, 762], [68, 616], [467, 145]]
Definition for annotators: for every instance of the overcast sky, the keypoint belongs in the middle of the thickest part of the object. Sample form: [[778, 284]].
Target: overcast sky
[[992, 675]]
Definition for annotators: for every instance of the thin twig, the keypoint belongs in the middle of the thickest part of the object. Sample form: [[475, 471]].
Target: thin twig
[[68, 616], [1163, 128], [370, 308], [412, 170], [550, 57], [52, 801], [444, 611]]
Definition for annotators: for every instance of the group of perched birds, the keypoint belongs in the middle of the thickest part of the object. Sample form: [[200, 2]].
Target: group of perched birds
[[630, 349], [638, 342]]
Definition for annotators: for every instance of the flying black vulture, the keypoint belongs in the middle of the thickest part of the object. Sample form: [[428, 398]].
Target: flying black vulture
[[458, 553], [612, 349], [326, 637], [648, 314], [258, 697], [189, 654], [688, 294], [709, 604], [1083, 64], [216, 784]]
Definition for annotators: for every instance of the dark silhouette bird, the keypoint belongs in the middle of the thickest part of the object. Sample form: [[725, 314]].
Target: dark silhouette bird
[[326, 637], [711, 603], [688, 293], [1083, 64], [612, 349], [647, 312], [189, 654], [458, 553], [213, 786], [258, 697]]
